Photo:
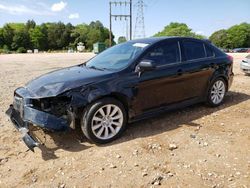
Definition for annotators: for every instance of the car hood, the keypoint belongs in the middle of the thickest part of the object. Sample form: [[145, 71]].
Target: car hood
[[60, 81]]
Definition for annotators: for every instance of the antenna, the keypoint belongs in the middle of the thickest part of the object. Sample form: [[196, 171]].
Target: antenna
[[139, 24]]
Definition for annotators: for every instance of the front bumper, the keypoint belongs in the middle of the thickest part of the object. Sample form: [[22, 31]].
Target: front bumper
[[245, 67], [38, 118], [22, 114]]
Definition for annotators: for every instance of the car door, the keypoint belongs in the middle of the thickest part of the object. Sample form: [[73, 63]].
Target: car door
[[164, 84], [198, 66]]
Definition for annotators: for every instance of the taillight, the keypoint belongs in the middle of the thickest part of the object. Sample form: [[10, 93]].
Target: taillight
[[230, 58]]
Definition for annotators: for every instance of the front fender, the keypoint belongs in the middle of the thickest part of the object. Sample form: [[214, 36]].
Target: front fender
[[80, 98]]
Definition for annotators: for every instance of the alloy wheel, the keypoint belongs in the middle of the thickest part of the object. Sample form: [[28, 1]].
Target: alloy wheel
[[218, 92], [107, 121]]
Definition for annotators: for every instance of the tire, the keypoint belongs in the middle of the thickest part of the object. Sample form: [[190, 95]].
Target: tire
[[104, 120], [216, 92]]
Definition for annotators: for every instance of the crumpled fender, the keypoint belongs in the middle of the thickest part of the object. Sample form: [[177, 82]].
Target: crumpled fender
[[87, 94]]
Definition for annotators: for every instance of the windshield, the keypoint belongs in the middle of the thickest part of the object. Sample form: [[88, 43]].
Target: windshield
[[117, 57]]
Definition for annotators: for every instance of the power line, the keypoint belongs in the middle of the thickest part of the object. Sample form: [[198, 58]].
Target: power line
[[139, 31]]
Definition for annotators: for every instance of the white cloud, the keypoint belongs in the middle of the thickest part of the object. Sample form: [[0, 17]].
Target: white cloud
[[74, 16], [57, 7], [199, 32], [21, 9]]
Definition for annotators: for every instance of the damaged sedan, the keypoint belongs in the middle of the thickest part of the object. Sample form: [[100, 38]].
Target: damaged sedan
[[125, 83]]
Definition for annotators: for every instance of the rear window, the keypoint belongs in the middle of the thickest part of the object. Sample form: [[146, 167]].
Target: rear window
[[210, 52], [193, 50]]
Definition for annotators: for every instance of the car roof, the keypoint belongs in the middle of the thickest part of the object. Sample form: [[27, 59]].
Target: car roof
[[153, 40]]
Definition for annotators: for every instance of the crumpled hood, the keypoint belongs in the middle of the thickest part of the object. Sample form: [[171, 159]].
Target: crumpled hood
[[57, 82]]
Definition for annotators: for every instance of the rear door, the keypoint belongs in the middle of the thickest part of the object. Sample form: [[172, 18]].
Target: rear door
[[198, 66]]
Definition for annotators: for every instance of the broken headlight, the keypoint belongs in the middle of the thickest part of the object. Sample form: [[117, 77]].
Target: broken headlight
[[56, 105]]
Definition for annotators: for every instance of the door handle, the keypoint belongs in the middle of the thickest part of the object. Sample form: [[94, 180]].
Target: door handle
[[179, 72]]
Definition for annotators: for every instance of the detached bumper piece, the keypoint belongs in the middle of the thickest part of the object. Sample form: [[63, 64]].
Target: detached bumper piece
[[39, 118], [22, 127]]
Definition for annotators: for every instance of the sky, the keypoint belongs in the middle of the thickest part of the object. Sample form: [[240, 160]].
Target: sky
[[203, 16]]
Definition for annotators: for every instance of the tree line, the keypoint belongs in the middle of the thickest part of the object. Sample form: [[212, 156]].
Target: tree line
[[178, 29], [21, 37], [237, 36]]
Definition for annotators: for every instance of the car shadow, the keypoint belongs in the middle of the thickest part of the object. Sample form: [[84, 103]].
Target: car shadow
[[50, 142], [175, 119], [73, 140]]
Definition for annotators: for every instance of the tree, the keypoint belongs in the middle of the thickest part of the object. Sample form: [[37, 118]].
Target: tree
[[92, 37], [17, 26], [67, 34], [79, 34], [178, 29], [44, 30], [237, 36], [96, 25], [8, 34], [38, 38], [1, 38], [219, 38], [20, 39], [55, 36], [122, 39], [97, 33], [59, 35], [30, 24]]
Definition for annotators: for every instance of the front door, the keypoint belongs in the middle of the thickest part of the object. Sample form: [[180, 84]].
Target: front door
[[164, 84]]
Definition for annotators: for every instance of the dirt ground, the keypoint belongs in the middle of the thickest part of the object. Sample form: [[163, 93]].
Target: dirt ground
[[213, 144]]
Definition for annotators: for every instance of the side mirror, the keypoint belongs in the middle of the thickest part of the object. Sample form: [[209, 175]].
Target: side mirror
[[146, 65]]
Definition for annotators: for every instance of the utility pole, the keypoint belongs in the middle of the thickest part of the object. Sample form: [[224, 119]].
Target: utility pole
[[139, 31], [120, 16]]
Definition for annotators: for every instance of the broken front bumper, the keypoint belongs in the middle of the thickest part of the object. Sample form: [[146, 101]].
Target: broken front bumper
[[22, 114], [40, 119]]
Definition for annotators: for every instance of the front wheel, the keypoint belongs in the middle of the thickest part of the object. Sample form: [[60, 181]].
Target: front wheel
[[216, 92], [104, 120]]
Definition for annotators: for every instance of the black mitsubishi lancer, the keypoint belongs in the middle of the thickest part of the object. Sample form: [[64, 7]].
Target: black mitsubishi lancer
[[125, 83]]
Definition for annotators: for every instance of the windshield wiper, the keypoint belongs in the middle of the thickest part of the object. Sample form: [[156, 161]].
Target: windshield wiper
[[96, 68]]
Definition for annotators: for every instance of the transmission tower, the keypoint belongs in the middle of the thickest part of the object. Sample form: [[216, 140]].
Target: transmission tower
[[139, 24]]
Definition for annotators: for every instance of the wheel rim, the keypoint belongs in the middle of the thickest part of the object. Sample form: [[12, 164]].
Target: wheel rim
[[218, 92], [107, 121]]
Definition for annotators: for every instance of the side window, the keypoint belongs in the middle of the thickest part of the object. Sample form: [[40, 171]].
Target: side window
[[193, 50], [165, 53], [210, 52]]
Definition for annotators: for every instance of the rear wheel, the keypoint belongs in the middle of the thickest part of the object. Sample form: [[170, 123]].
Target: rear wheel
[[216, 92], [104, 120]]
